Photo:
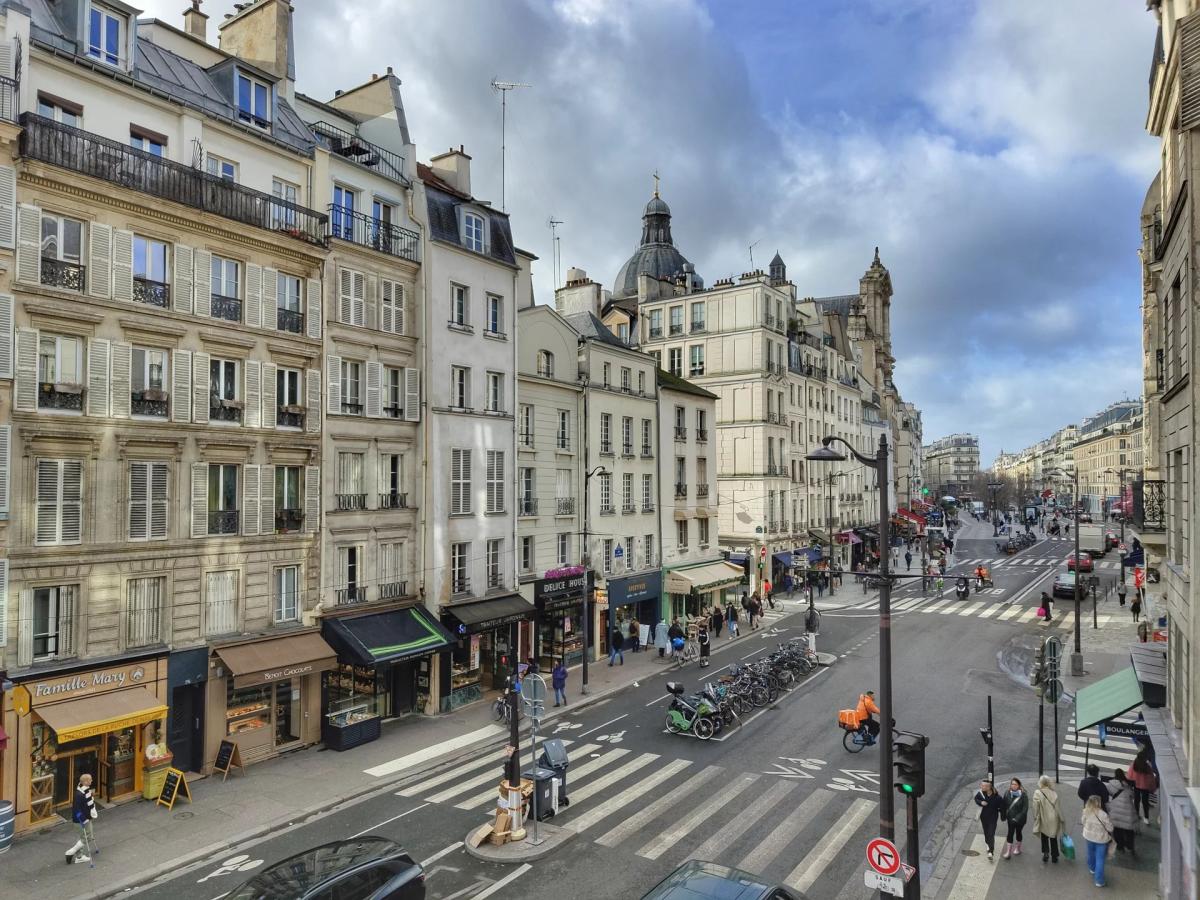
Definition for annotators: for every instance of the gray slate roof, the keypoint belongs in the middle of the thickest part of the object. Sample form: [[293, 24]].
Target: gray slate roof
[[591, 328], [443, 219], [675, 383], [840, 304]]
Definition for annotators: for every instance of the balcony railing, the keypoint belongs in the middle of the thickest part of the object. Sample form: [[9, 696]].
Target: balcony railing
[[228, 308], [393, 501], [647, 450], [772, 526], [627, 449], [224, 411], [359, 228], [8, 98], [676, 329], [350, 595], [288, 521], [495, 580], [460, 584], [223, 521], [358, 150], [351, 409], [60, 396], [152, 293], [773, 418], [289, 320], [769, 320], [607, 509], [681, 490], [289, 418], [394, 412], [525, 438], [655, 333], [701, 435], [348, 502], [564, 506], [1150, 505], [60, 273], [563, 443], [702, 490], [112, 161], [149, 403], [393, 590], [628, 508], [648, 506], [606, 447], [680, 433], [697, 327], [527, 506]]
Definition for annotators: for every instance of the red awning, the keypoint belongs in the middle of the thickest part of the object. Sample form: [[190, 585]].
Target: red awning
[[911, 516]]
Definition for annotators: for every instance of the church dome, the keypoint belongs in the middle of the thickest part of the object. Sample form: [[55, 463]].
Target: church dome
[[656, 256]]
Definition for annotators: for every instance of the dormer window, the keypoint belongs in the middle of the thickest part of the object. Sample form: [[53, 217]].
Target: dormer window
[[473, 232], [106, 30], [254, 101]]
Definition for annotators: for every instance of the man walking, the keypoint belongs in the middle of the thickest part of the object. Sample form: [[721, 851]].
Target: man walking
[[618, 644], [558, 680], [907, 560], [83, 814]]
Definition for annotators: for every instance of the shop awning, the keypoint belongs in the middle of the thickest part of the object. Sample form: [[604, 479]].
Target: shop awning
[[703, 578], [277, 659], [484, 614], [1107, 698], [738, 559], [385, 637], [848, 537], [911, 516], [85, 717], [812, 554], [818, 535], [783, 557]]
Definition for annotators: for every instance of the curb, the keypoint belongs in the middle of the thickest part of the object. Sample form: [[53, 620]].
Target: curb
[[485, 852]]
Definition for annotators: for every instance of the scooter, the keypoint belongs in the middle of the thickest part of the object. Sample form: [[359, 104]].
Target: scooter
[[685, 718], [962, 589]]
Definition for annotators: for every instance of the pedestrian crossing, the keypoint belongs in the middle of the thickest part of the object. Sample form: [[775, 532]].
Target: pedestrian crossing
[[950, 605], [669, 810], [1077, 750]]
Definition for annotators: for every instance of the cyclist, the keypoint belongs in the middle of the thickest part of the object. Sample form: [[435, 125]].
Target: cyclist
[[866, 707], [982, 576]]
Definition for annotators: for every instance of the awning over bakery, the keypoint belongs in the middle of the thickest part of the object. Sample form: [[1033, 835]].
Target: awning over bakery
[[483, 615], [385, 637], [88, 716], [703, 578], [1107, 698], [277, 659]]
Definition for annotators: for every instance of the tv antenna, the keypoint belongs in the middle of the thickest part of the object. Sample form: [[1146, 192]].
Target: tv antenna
[[752, 246], [504, 87], [555, 254]]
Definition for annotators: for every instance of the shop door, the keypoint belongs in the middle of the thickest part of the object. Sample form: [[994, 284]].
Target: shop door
[[186, 737], [72, 760], [288, 713], [404, 691]]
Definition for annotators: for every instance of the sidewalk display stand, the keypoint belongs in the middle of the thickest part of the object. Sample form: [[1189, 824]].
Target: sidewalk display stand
[[174, 786], [228, 756]]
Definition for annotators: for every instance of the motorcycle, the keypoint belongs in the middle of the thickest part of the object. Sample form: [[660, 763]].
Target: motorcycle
[[962, 589], [696, 715]]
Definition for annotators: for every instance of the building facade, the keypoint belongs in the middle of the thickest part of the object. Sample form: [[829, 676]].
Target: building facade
[[951, 464]]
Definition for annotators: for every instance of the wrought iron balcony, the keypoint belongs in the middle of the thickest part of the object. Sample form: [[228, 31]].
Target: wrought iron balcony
[[701, 435], [564, 442], [647, 451], [393, 590], [527, 506], [460, 584], [358, 150], [525, 438], [361, 229], [702, 490], [289, 418], [628, 508], [223, 521], [697, 327], [495, 580], [1150, 505], [773, 418], [8, 98], [288, 521], [394, 412], [676, 329], [149, 403], [346, 502], [648, 507], [393, 501], [564, 506], [680, 433], [351, 409], [607, 509], [153, 293], [90, 154], [60, 396], [289, 320], [656, 333], [228, 308], [627, 449], [681, 490], [769, 320], [350, 595], [224, 411], [60, 273], [772, 526]]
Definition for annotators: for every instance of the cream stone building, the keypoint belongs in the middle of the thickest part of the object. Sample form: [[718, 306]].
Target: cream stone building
[[951, 464]]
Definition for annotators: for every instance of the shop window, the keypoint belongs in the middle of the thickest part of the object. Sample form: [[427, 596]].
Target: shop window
[[144, 613], [265, 715], [220, 603], [287, 593], [54, 611]]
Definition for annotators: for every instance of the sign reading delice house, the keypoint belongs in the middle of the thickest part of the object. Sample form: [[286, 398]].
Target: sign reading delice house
[[561, 593]]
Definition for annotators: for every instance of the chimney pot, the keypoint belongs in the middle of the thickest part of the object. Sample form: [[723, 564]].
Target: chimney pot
[[389, 70]]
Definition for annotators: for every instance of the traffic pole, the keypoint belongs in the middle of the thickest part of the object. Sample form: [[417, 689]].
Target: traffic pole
[[912, 850], [1041, 735], [1056, 742], [991, 747]]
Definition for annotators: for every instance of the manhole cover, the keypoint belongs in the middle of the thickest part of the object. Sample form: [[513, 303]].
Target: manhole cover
[[970, 853], [183, 815]]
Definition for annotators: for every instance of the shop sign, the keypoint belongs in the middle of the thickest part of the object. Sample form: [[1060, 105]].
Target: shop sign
[[557, 593], [474, 651], [82, 684], [634, 589]]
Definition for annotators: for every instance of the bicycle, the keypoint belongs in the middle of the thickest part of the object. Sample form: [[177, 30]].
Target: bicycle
[[855, 741], [502, 711], [689, 653]]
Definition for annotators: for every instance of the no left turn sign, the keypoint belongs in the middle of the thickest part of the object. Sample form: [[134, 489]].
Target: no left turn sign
[[883, 856]]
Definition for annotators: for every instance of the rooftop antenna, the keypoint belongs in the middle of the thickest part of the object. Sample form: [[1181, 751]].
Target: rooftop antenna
[[504, 87], [752, 246], [554, 247]]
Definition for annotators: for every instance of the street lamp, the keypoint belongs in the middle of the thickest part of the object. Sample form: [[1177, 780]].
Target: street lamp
[[1120, 473], [1077, 655], [829, 521], [994, 486], [887, 798], [587, 561]]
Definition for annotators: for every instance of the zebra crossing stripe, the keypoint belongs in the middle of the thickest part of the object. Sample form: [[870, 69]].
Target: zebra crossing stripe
[[701, 813], [909, 604], [990, 611], [782, 834], [594, 787], [488, 777], [828, 847], [740, 824], [608, 807], [648, 814], [934, 607], [1068, 621], [416, 790], [1009, 613], [972, 609]]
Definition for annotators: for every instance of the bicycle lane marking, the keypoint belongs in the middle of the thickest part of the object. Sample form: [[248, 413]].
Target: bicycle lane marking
[[598, 727]]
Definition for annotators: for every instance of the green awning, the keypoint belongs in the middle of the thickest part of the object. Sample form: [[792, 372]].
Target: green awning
[[1107, 698]]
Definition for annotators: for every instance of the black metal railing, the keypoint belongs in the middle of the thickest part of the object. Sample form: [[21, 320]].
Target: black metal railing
[[655, 333], [526, 438], [346, 502], [676, 329], [223, 521], [356, 149], [681, 491], [702, 490], [697, 327], [648, 507], [394, 412], [1150, 505], [60, 396], [701, 435], [564, 506], [393, 501], [8, 97], [98, 157], [289, 320], [680, 433], [460, 584], [359, 228], [495, 580], [351, 409], [60, 273], [527, 506], [355, 593], [647, 450], [222, 412], [289, 418], [153, 293], [607, 509], [627, 449], [393, 590], [142, 404], [564, 442], [228, 308], [288, 520]]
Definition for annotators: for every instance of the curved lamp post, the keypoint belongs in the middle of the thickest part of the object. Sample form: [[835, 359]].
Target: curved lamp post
[[587, 560], [1077, 653], [1120, 473]]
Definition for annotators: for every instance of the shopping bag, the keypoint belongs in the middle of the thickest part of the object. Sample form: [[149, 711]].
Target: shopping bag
[[1067, 845], [1041, 611]]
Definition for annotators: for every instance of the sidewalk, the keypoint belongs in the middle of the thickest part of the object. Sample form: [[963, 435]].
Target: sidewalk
[[139, 840]]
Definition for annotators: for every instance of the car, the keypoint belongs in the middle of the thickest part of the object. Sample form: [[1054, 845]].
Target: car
[[1086, 564], [1113, 539], [362, 868], [1064, 585], [1085, 517], [698, 880]]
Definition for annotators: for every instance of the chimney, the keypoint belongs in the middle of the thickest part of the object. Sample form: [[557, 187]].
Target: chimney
[[195, 22], [454, 168], [260, 33]]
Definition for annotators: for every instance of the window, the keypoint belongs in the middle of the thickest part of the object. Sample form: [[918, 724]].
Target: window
[[627, 492], [697, 317], [253, 101], [647, 437], [54, 621], [226, 277], [460, 305], [563, 492], [60, 360], [223, 382], [60, 111], [288, 391], [287, 593], [564, 548], [526, 554], [675, 361], [701, 471], [680, 421], [681, 534], [283, 215], [495, 314], [392, 563], [105, 29], [627, 435], [657, 356], [144, 611], [459, 555], [59, 501], [647, 493], [393, 474], [495, 481], [545, 363], [495, 397], [289, 514], [460, 387], [495, 563], [656, 323], [154, 145], [526, 425], [62, 241], [606, 371], [221, 168], [696, 360], [642, 383], [564, 429], [473, 232], [701, 425], [607, 562], [527, 484], [648, 550], [350, 569], [149, 262], [626, 379], [222, 499], [381, 225], [680, 476], [393, 393], [220, 603], [606, 432], [391, 317], [623, 332], [460, 482], [676, 320], [702, 527], [352, 388], [606, 503], [148, 484], [341, 217]]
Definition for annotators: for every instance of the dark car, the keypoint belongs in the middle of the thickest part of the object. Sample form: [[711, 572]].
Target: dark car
[[696, 880], [366, 868], [1064, 585]]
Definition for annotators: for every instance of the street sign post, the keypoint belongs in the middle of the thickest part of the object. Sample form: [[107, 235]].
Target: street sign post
[[889, 884], [1054, 690], [883, 856]]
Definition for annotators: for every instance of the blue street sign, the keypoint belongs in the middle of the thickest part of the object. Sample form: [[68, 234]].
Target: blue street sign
[[618, 552]]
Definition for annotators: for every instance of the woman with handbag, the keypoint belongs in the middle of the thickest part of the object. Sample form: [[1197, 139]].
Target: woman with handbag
[[1047, 818], [1098, 832], [1145, 783], [1015, 811], [1122, 809]]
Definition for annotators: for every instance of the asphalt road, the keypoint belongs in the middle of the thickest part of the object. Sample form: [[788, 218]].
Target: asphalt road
[[779, 795]]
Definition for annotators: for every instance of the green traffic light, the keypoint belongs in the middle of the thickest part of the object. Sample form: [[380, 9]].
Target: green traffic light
[[906, 788]]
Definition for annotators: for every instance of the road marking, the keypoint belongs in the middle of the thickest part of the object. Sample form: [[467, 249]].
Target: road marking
[[811, 867], [1067, 621], [415, 790], [608, 778], [740, 824], [950, 610], [658, 699], [388, 821], [433, 752], [701, 813], [755, 653], [934, 607], [1009, 613], [972, 609], [649, 813], [598, 727], [639, 790], [425, 864], [488, 796], [503, 882], [782, 834], [488, 776], [975, 875]]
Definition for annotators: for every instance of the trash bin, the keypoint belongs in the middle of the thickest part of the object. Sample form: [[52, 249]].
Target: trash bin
[[543, 792], [554, 757]]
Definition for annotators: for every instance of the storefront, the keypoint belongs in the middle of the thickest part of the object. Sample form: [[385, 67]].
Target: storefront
[[486, 648], [384, 662], [107, 722], [265, 694], [694, 589], [560, 604], [634, 597], [187, 671]]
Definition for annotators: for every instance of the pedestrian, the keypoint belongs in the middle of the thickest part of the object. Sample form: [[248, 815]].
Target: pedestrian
[[733, 620], [771, 597], [84, 815], [1121, 593], [703, 640], [717, 620], [1047, 607], [907, 560], [1067, 529], [617, 646], [1122, 809], [661, 639], [1145, 782], [1092, 786], [532, 667], [990, 805], [756, 610], [673, 633], [1135, 606], [1047, 818], [635, 634], [820, 584], [1097, 832], [1015, 812], [558, 680], [941, 565]]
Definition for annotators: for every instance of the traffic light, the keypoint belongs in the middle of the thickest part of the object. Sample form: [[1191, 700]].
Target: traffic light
[[908, 753], [924, 492], [1038, 673]]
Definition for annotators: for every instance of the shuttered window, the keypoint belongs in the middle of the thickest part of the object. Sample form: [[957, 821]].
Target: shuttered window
[[59, 501], [351, 297], [144, 611], [220, 603], [287, 593], [460, 482], [495, 481], [148, 484], [391, 310], [53, 627]]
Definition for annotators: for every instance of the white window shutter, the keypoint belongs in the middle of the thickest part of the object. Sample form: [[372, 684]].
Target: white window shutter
[[29, 244], [71, 506], [333, 382], [122, 360], [139, 501], [312, 418], [252, 395], [99, 271], [160, 498], [270, 403], [181, 289], [3, 602], [254, 295], [201, 387], [202, 283], [371, 300], [270, 299], [97, 377], [5, 467], [387, 303], [8, 206], [25, 386], [345, 307], [312, 315], [6, 335], [266, 500], [312, 497], [25, 628], [399, 325], [374, 387], [200, 499], [181, 386], [250, 499], [412, 395], [358, 286], [122, 265]]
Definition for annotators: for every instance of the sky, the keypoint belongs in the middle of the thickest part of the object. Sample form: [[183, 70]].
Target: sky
[[994, 151]]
